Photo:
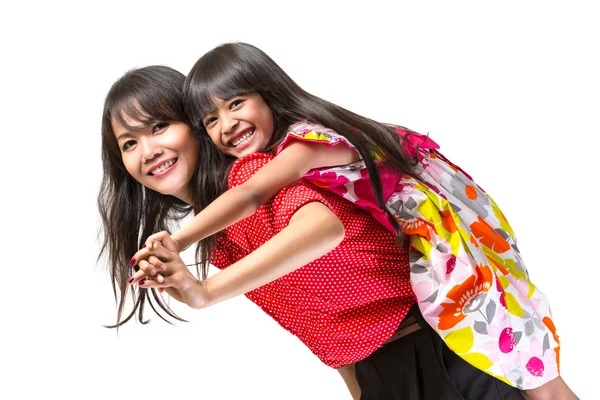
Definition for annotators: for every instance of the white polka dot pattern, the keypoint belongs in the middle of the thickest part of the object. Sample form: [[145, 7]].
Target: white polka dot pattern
[[344, 305]]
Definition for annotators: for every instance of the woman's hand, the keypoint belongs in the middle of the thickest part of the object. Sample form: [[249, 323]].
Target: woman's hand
[[164, 269], [167, 242], [164, 238]]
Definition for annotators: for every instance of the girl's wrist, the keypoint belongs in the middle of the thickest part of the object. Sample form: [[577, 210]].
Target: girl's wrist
[[176, 242]]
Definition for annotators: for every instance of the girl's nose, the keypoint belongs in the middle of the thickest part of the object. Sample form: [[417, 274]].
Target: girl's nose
[[228, 124]]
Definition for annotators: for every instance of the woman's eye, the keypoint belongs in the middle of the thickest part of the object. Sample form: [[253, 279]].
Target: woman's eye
[[128, 144], [159, 126], [209, 121]]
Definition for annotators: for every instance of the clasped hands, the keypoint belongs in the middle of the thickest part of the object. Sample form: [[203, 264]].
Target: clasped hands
[[161, 267]]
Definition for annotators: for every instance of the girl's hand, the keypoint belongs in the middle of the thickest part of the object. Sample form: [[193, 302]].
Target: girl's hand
[[164, 238], [174, 276]]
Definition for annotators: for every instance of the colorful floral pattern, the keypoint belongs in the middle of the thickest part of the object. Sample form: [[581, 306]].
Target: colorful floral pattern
[[467, 274]]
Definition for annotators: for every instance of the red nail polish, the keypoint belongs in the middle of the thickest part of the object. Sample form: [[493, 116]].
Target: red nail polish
[[141, 282], [132, 261], [130, 279], [144, 246]]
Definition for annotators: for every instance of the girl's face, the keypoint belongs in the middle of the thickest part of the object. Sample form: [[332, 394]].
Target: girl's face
[[162, 157], [241, 125]]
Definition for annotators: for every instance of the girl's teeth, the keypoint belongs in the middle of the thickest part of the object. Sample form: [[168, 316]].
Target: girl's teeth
[[243, 139]]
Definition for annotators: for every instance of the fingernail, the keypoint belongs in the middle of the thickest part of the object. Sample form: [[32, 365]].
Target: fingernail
[[132, 261], [144, 246], [130, 279], [141, 282]]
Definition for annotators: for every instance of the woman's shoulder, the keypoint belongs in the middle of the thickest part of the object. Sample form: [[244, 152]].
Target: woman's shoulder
[[245, 167]]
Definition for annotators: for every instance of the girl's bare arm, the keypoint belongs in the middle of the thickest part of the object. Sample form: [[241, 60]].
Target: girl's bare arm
[[243, 200]]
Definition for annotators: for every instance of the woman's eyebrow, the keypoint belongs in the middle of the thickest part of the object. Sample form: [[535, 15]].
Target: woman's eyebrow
[[124, 135]]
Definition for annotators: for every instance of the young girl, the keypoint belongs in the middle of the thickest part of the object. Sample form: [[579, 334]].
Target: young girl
[[466, 271]]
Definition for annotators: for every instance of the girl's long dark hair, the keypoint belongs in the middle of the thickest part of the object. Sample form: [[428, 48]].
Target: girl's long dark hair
[[130, 212], [233, 69]]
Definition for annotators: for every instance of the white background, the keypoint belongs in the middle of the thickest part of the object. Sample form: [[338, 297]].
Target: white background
[[510, 91]]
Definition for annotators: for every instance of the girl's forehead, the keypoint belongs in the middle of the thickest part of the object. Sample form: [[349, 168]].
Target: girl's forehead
[[214, 103]]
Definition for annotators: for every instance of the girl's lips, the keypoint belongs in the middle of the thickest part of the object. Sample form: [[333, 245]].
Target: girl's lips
[[165, 171], [246, 143]]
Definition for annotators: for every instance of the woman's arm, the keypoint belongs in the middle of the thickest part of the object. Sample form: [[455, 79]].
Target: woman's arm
[[318, 227], [348, 373], [312, 232]]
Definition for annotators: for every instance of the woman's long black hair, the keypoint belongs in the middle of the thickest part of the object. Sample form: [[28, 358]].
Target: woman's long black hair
[[131, 212], [233, 69]]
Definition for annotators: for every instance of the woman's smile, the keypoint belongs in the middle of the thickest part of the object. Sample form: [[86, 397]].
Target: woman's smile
[[162, 156], [163, 168]]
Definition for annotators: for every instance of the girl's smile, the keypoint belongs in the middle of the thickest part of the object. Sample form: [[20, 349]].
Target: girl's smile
[[241, 125]]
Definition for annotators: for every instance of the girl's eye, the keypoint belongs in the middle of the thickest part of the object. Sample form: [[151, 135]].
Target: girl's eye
[[128, 144], [159, 127], [235, 103]]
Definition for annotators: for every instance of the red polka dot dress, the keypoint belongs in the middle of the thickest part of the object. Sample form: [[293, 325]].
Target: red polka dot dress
[[344, 305]]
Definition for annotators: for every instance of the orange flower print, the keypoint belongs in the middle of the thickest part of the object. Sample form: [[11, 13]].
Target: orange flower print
[[498, 265], [466, 298], [550, 324], [415, 226], [489, 237], [471, 192], [448, 221]]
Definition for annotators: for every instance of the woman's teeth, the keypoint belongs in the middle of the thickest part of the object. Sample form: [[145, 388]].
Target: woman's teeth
[[242, 139], [163, 167]]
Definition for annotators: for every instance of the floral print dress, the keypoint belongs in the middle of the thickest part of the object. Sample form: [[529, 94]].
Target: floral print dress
[[467, 274]]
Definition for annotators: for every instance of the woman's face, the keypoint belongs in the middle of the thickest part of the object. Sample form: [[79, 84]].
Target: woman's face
[[162, 157], [241, 125]]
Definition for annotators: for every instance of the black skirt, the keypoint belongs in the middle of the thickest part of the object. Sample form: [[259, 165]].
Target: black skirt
[[419, 366]]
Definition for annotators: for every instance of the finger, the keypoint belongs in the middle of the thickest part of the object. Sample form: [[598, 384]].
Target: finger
[[158, 264], [141, 278], [156, 248], [140, 255], [168, 242], [147, 270], [158, 277], [137, 277], [140, 273], [153, 284], [165, 255], [163, 237], [156, 237], [148, 245]]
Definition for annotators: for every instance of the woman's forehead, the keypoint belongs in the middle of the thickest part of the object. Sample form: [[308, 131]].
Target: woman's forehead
[[131, 116]]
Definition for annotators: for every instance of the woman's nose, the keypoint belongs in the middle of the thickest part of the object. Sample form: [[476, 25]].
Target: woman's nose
[[150, 149]]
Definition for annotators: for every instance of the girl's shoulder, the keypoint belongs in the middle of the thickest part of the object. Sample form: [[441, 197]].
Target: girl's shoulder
[[312, 132]]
